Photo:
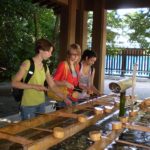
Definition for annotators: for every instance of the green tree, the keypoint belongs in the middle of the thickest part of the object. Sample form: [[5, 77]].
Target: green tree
[[21, 23], [139, 24], [114, 22]]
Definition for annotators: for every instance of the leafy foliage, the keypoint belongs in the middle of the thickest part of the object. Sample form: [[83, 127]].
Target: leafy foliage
[[135, 25], [139, 23], [18, 34], [113, 22]]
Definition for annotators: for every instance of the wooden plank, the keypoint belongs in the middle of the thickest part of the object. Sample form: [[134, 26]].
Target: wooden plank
[[41, 129], [105, 140], [72, 6], [99, 46], [68, 115], [81, 25], [49, 141], [112, 4], [137, 127], [43, 118], [64, 2], [24, 125], [133, 144], [15, 138]]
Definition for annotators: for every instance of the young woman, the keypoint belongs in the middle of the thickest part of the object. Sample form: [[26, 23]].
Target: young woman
[[87, 72], [67, 73], [33, 99]]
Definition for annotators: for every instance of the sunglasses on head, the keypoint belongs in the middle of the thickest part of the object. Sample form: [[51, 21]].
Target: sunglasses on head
[[74, 54]]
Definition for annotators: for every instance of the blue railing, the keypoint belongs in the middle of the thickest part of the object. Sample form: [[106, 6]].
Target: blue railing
[[122, 64]]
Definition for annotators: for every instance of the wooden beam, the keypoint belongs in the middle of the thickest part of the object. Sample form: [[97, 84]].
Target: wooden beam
[[41, 129], [64, 2], [72, 4], [89, 5], [24, 125], [113, 4], [105, 140], [99, 42], [109, 4], [137, 127], [27, 124], [133, 144], [15, 138], [58, 2], [67, 27], [81, 25], [49, 141], [63, 33], [120, 4], [68, 115]]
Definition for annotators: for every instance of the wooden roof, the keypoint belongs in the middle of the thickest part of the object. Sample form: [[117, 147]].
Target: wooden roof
[[109, 4]]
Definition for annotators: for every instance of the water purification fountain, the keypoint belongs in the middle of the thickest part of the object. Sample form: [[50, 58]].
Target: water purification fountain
[[121, 86]]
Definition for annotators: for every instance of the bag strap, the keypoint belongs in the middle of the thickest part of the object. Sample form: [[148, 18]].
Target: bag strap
[[30, 71], [80, 65], [45, 66], [66, 69]]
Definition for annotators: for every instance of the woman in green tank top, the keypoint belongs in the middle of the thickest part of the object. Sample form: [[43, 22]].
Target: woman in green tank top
[[33, 99]]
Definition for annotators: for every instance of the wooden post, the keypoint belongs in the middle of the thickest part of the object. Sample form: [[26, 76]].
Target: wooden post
[[99, 41], [63, 33], [71, 21], [123, 68], [67, 27], [81, 25]]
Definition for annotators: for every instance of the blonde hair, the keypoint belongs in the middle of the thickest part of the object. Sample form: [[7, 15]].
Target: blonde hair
[[75, 47]]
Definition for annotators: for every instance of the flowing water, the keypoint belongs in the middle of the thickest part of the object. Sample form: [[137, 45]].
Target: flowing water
[[81, 140]]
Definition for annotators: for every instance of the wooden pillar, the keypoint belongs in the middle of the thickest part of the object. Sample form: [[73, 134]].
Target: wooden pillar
[[81, 25], [67, 27], [99, 41], [72, 4], [63, 33]]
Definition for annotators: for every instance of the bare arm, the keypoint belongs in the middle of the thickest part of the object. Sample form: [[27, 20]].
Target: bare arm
[[92, 77], [64, 83], [16, 81], [93, 88], [53, 86]]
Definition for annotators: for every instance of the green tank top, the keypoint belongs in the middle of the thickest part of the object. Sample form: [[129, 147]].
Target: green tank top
[[33, 97]]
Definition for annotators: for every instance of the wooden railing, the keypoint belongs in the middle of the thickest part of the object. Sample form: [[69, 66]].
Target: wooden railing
[[122, 63]]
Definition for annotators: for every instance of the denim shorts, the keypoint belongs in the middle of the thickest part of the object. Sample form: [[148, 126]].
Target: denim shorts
[[28, 112]]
